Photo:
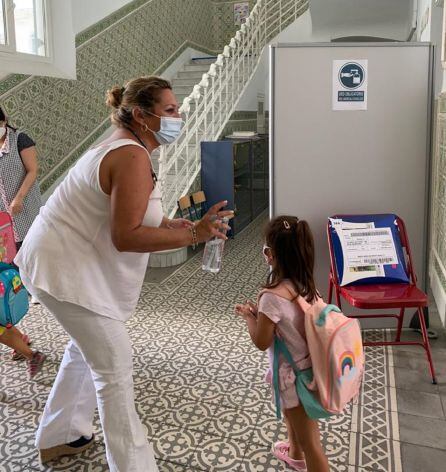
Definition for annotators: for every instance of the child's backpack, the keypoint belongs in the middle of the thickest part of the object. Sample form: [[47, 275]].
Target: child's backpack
[[13, 296], [337, 356], [7, 242]]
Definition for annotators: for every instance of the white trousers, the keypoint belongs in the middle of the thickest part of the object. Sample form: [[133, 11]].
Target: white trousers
[[96, 371]]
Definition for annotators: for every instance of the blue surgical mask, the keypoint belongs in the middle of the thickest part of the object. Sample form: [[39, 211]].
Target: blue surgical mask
[[170, 129]]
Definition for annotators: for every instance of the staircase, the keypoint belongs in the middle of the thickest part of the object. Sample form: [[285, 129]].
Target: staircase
[[182, 84], [209, 101]]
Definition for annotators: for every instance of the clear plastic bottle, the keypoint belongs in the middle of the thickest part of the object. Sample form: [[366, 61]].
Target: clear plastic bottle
[[213, 252]]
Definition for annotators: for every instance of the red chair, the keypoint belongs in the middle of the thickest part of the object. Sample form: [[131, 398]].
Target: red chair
[[385, 296]]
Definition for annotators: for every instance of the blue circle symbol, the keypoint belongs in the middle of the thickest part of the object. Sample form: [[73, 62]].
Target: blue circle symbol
[[351, 75]]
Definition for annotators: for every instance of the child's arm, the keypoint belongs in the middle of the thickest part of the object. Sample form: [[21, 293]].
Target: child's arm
[[260, 327]]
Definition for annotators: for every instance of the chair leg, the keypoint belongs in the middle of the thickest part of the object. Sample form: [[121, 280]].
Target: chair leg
[[400, 325], [338, 299], [427, 344]]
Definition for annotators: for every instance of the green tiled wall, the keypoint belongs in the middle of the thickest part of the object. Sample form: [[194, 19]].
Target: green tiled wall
[[439, 190], [66, 116]]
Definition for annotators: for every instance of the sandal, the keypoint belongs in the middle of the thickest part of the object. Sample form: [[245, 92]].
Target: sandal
[[281, 449]]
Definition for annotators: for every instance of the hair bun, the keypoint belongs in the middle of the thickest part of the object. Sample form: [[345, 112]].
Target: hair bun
[[114, 96]]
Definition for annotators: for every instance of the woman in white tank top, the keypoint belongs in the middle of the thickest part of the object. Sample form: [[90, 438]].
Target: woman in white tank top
[[84, 259]]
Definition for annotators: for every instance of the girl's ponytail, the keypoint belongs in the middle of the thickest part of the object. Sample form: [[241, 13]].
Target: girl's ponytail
[[305, 245]]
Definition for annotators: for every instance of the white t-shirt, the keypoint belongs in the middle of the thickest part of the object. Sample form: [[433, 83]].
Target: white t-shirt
[[68, 251]]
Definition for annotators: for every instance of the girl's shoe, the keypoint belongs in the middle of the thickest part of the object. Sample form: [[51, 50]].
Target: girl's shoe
[[281, 449], [35, 363], [69, 449], [16, 356]]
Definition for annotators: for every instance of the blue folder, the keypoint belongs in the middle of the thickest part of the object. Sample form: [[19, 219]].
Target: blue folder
[[393, 273]]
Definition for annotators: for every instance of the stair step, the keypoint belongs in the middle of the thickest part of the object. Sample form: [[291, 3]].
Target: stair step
[[196, 67], [185, 81], [204, 60], [183, 89], [191, 74]]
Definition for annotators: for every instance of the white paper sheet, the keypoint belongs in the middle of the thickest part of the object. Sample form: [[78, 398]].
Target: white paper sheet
[[365, 249]]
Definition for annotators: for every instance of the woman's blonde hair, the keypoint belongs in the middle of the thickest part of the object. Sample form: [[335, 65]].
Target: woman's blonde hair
[[142, 92]]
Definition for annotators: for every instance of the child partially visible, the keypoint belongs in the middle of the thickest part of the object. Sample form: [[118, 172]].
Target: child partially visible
[[20, 342]]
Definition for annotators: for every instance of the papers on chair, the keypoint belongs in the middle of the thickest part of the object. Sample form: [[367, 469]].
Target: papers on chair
[[365, 249]]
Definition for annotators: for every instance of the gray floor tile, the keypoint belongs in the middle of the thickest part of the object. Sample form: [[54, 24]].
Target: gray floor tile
[[417, 361], [443, 402], [414, 380], [422, 459], [419, 403], [422, 431]]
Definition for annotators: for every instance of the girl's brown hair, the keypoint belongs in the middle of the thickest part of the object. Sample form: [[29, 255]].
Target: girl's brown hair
[[142, 92], [292, 246]]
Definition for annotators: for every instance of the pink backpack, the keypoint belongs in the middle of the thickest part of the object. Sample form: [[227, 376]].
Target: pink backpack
[[7, 242], [336, 351]]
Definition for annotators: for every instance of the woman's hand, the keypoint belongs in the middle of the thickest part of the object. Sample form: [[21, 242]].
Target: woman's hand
[[179, 223], [211, 225], [16, 206]]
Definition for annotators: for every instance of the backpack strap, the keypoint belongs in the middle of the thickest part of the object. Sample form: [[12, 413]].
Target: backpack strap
[[281, 348]]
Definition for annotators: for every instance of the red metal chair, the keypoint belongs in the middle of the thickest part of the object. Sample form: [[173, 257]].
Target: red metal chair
[[385, 296]]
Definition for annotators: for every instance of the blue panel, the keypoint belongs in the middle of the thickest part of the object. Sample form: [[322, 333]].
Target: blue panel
[[393, 273], [217, 172]]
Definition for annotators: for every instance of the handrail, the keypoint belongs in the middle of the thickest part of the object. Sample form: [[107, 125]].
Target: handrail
[[213, 100]]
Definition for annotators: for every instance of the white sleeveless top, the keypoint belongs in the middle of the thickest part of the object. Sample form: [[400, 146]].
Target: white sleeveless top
[[68, 251]]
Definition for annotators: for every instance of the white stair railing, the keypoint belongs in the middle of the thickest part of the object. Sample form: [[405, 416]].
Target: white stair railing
[[213, 100]]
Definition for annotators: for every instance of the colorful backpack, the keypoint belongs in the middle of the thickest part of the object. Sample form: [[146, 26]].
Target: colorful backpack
[[337, 356], [13, 296], [7, 242]]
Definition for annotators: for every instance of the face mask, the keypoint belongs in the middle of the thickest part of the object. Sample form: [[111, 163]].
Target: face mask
[[170, 129], [2, 131]]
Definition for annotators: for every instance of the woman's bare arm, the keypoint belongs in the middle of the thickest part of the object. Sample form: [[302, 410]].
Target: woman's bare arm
[[130, 184]]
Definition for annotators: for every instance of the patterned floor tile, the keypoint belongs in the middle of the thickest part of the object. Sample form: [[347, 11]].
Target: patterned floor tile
[[219, 453], [176, 445], [199, 382]]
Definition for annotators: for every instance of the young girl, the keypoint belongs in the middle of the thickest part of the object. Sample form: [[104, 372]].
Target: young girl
[[289, 250]]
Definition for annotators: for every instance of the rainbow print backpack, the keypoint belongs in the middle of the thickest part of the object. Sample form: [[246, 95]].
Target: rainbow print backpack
[[337, 356]]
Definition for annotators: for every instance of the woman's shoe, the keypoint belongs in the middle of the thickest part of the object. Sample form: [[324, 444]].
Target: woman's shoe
[[281, 450], [69, 449]]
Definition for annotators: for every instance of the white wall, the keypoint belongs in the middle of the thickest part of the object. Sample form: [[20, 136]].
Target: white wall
[[391, 19], [435, 32], [298, 32], [89, 12], [424, 14]]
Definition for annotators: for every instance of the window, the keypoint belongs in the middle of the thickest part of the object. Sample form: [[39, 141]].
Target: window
[[23, 28], [2, 24], [37, 38]]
